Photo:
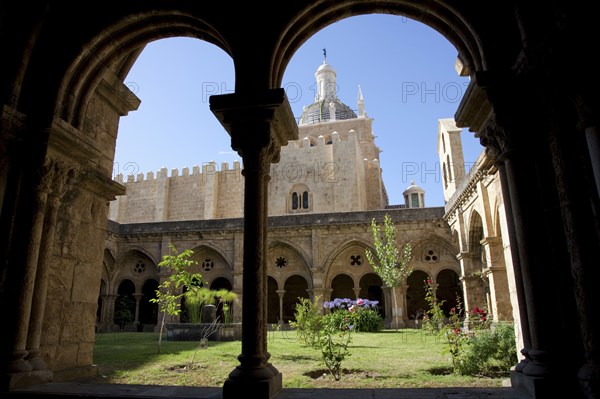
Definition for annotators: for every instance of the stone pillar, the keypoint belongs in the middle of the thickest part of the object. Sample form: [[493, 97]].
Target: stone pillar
[[472, 283], [518, 131], [138, 298], [578, 184], [20, 273], [259, 124], [108, 311], [523, 326], [495, 272], [62, 178], [280, 294]]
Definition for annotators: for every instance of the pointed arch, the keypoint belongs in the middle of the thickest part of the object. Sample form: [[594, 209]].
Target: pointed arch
[[292, 247], [197, 250], [136, 248]]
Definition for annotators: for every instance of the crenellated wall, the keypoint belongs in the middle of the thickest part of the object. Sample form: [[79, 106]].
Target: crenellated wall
[[336, 163]]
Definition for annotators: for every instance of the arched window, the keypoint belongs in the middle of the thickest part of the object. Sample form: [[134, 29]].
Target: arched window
[[299, 199]]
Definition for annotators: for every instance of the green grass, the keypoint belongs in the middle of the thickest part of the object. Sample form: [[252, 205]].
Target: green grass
[[388, 359]]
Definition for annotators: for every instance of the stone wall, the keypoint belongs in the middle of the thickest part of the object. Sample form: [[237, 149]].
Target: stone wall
[[337, 163]]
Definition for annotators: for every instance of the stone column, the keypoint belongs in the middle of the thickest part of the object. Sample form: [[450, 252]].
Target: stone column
[[523, 326], [108, 307], [518, 131], [258, 124], [138, 298], [500, 306], [21, 269], [473, 289], [62, 178], [578, 184], [280, 294]]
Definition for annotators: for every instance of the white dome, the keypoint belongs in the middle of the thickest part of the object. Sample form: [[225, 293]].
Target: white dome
[[413, 188]]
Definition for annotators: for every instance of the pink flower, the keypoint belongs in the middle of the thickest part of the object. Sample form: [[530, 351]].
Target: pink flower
[[360, 302], [352, 308]]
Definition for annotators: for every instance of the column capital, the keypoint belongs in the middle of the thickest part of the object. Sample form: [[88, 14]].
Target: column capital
[[261, 120]]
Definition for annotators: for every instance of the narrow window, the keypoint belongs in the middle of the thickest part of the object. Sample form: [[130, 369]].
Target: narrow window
[[305, 200], [294, 200], [445, 176], [414, 198]]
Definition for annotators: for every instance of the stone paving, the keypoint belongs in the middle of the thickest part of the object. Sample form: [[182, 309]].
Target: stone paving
[[93, 390]]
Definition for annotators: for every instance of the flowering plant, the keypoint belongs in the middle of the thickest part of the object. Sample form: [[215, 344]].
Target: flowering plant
[[359, 314], [349, 304], [478, 319]]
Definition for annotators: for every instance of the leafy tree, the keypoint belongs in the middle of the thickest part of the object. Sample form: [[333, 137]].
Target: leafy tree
[[169, 292], [387, 261]]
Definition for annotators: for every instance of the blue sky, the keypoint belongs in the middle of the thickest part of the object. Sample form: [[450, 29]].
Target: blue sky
[[405, 69]]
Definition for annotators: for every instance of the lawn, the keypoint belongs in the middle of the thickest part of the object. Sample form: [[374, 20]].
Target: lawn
[[387, 359]]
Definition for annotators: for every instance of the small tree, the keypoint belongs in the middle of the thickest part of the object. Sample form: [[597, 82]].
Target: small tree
[[386, 261], [169, 291]]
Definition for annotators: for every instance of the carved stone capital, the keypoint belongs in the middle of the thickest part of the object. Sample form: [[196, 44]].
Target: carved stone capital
[[260, 123]]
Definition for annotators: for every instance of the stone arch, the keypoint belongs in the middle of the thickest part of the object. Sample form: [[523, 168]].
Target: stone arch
[[342, 286], [285, 259], [348, 253], [453, 24], [118, 46], [136, 266], [449, 289], [148, 313], [295, 287], [371, 288], [415, 294], [444, 248], [124, 312], [212, 263], [474, 246], [217, 284], [137, 248]]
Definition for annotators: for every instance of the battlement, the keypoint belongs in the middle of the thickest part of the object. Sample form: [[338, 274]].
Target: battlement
[[208, 168]]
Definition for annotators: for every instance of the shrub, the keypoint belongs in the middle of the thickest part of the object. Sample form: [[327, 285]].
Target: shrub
[[489, 352], [360, 313], [309, 321], [334, 341]]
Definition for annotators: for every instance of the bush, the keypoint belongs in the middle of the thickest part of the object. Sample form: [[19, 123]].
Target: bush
[[489, 352], [360, 314], [309, 321]]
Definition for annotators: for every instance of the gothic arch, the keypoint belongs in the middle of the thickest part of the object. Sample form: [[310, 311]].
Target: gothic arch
[[342, 286], [449, 289], [284, 260], [210, 247], [295, 286], [212, 263], [293, 247], [476, 232], [341, 261], [136, 266], [136, 248]]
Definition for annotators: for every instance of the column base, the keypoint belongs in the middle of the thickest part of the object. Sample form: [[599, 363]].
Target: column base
[[12, 381], [543, 387], [244, 387]]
